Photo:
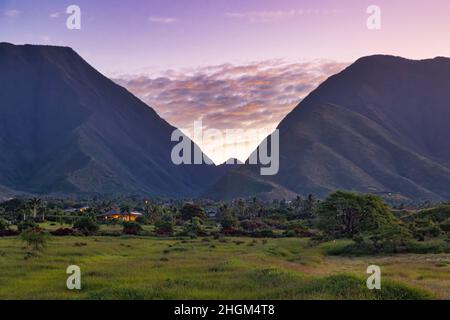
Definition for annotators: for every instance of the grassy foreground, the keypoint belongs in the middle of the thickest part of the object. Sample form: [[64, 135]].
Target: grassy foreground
[[149, 268]]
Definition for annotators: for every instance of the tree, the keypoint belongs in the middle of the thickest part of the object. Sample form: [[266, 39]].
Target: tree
[[309, 207], [35, 204], [148, 209], [345, 214], [190, 211], [126, 208]]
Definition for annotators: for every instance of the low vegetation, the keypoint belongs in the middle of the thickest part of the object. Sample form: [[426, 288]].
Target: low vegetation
[[300, 249]]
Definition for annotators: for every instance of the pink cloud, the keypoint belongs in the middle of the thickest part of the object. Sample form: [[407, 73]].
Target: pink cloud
[[251, 96], [163, 20]]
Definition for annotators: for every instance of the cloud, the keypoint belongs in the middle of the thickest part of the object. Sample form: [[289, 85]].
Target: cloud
[[163, 20], [279, 15], [265, 16], [249, 96], [55, 15], [12, 13]]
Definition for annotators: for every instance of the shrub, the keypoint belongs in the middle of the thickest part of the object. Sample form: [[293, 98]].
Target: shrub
[[164, 226], [265, 233], [4, 225], [425, 228], [445, 225], [9, 233], [86, 225], [252, 225], [429, 247], [437, 214], [289, 234], [35, 238], [298, 229], [25, 225], [229, 224], [194, 228], [61, 232], [142, 220], [132, 228], [388, 238]]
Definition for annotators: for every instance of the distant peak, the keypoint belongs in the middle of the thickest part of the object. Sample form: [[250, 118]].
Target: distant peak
[[34, 46], [381, 58]]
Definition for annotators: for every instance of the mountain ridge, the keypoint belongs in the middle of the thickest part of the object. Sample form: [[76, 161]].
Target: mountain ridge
[[378, 126], [68, 129]]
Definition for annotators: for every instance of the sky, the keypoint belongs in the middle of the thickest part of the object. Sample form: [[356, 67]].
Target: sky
[[238, 64]]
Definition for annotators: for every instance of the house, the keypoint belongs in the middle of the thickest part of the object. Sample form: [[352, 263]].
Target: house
[[211, 212], [117, 215]]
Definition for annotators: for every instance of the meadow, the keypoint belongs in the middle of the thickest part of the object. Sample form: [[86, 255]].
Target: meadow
[[131, 267]]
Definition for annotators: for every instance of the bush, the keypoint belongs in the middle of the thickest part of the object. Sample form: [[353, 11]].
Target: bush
[[164, 226], [425, 228], [229, 224], [388, 239], [346, 248], [252, 225], [265, 233], [445, 226], [86, 226], [438, 214], [9, 233], [25, 225], [194, 228], [4, 225], [131, 228], [35, 238], [142, 220], [429, 247], [62, 232], [298, 229]]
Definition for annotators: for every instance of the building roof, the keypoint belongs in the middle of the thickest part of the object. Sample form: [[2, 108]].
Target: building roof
[[118, 213]]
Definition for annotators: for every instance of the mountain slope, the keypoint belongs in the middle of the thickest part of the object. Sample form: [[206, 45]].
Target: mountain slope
[[65, 128], [379, 126]]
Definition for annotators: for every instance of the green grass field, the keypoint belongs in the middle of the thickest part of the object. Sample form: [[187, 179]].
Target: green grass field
[[232, 268]]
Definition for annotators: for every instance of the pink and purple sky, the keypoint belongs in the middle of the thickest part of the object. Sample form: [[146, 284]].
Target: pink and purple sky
[[230, 63]]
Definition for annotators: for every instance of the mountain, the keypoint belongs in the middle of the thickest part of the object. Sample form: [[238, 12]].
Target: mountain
[[379, 126], [67, 129]]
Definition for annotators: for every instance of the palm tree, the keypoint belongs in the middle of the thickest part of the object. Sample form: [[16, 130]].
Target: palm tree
[[35, 204]]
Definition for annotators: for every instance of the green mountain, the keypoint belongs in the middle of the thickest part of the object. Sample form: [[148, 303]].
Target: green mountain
[[67, 129]]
